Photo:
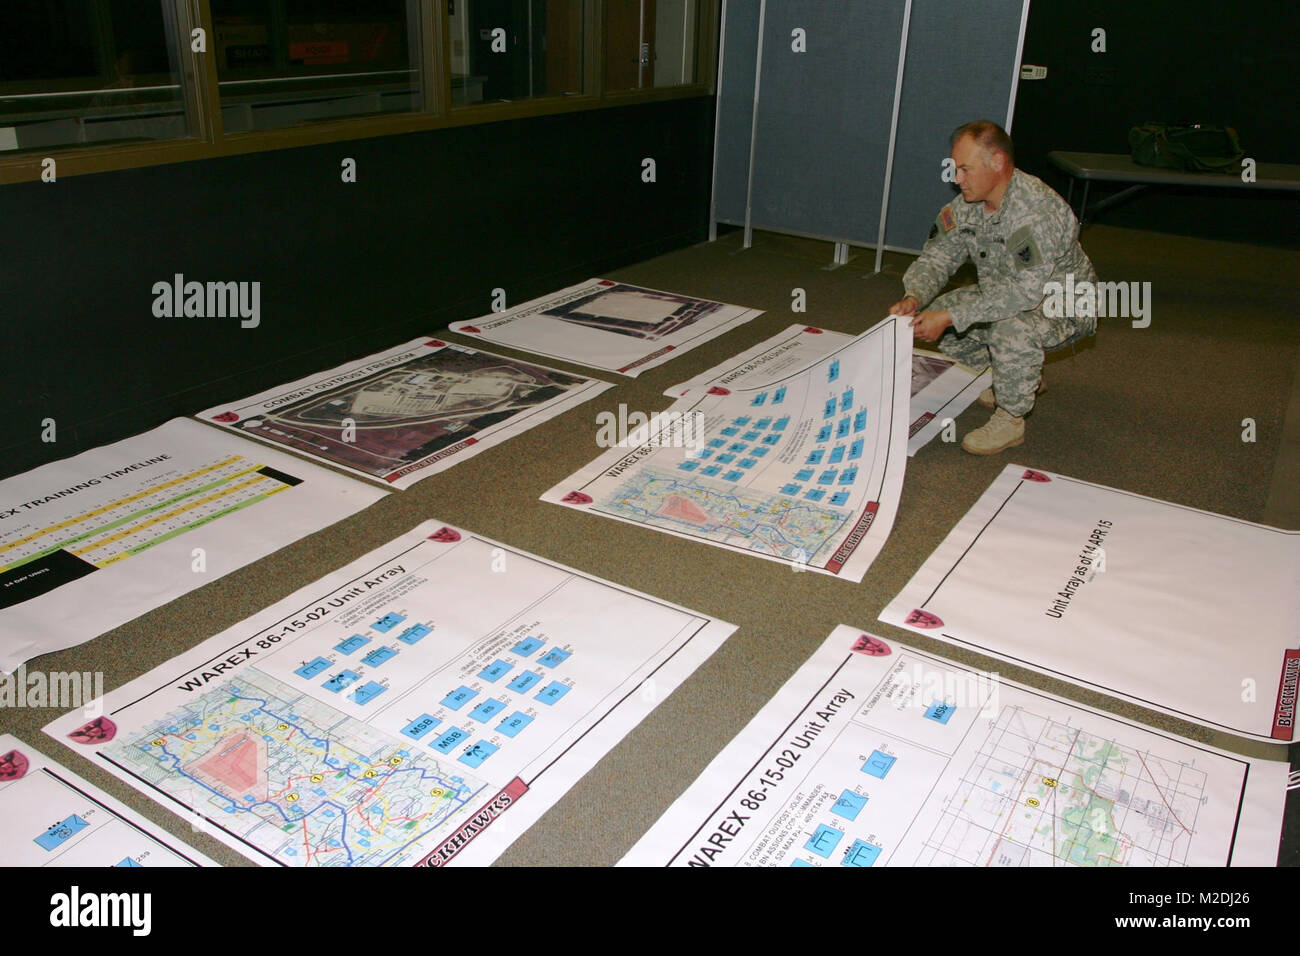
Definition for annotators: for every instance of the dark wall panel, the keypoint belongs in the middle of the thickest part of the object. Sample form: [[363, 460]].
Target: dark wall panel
[[942, 90], [435, 221], [824, 116]]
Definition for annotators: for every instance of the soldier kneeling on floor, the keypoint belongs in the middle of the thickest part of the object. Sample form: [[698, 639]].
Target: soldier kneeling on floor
[[1021, 235]]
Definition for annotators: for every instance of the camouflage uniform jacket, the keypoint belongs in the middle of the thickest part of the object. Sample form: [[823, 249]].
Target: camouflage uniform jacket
[[1031, 238]]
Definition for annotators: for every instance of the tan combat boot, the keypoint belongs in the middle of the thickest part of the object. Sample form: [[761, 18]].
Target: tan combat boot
[[988, 401], [1003, 431]]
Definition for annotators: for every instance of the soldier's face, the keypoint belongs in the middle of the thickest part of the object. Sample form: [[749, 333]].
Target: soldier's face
[[975, 178]]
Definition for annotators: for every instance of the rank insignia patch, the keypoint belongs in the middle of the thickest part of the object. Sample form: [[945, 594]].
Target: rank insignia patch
[[1025, 249]]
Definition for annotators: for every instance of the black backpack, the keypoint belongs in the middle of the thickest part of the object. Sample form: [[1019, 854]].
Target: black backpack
[[1194, 148]]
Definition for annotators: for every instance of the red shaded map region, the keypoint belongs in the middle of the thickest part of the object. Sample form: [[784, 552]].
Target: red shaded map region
[[683, 509], [236, 767]]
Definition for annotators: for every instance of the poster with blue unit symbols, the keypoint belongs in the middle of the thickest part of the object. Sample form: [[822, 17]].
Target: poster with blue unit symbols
[[418, 707], [804, 467], [49, 816], [942, 388], [877, 754]]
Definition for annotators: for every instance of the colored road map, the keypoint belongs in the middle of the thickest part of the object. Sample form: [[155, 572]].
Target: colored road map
[[777, 525], [296, 779]]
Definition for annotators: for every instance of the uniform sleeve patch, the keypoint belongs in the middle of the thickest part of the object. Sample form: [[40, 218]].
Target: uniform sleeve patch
[[947, 220], [1024, 249]]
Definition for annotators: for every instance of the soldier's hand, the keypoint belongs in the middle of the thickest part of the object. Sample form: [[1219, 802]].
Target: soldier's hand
[[905, 306], [928, 326]]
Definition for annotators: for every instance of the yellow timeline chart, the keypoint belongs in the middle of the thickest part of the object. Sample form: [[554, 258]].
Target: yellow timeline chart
[[127, 526]]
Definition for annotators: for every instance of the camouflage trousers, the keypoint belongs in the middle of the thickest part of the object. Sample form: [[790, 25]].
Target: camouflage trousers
[[1015, 348]]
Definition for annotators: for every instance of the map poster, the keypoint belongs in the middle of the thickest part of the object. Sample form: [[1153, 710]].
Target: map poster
[[424, 705], [942, 388], [93, 541], [876, 754], [804, 467], [49, 816], [1172, 608], [409, 412], [608, 325]]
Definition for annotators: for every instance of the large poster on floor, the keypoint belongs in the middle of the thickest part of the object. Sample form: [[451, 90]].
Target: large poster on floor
[[408, 412], [942, 388], [805, 467], [1171, 608], [608, 325], [424, 705], [93, 541], [877, 754]]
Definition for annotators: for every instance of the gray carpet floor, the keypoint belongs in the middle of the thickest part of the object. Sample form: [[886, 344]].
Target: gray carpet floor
[[1156, 411]]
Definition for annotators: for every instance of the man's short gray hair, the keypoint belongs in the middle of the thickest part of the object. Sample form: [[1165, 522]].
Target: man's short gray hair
[[988, 135]]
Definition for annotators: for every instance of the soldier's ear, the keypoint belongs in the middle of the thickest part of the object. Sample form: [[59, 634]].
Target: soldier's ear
[[997, 160]]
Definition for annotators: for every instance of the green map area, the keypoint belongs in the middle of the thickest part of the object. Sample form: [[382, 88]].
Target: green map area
[[1045, 793]]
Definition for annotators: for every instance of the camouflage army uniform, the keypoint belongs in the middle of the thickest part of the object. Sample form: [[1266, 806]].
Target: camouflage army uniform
[[1032, 238]]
